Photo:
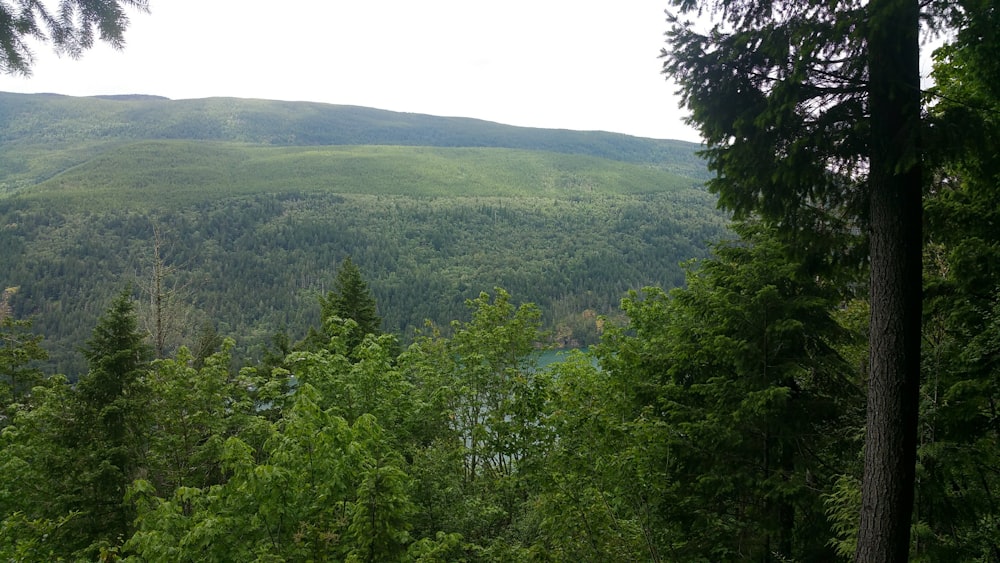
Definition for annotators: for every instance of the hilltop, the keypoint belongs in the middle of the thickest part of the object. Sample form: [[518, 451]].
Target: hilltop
[[44, 134]]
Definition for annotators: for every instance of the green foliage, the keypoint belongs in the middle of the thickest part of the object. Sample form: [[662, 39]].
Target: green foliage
[[38, 495], [20, 350], [71, 28], [30, 540], [354, 382], [479, 401], [593, 493], [319, 489], [381, 513], [843, 503], [350, 299], [444, 548], [189, 411], [744, 401], [493, 380], [956, 489]]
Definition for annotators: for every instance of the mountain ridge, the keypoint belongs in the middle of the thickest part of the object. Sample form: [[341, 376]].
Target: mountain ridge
[[82, 127]]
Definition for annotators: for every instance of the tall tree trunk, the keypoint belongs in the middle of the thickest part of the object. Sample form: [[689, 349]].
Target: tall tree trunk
[[158, 298], [896, 295]]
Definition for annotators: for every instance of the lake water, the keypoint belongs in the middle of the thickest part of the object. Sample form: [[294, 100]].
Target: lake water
[[552, 356]]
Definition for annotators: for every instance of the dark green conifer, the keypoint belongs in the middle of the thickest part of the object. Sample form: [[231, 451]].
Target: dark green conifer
[[19, 349], [107, 432], [812, 116], [351, 299]]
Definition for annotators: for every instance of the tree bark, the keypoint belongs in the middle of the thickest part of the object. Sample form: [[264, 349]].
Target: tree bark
[[896, 269]]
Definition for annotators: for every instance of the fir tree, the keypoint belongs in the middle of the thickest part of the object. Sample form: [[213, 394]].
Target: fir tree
[[351, 299], [107, 433], [812, 115]]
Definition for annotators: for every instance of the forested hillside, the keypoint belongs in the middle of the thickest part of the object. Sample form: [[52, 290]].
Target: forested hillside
[[42, 135], [251, 224]]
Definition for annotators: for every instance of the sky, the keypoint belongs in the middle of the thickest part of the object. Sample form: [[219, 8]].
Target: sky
[[566, 64]]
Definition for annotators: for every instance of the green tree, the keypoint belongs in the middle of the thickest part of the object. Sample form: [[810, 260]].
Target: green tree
[[956, 512], [38, 490], [738, 378], [366, 383], [118, 359], [351, 298], [811, 112], [109, 433], [69, 457], [189, 412], [493, 379], [594, 495], [381, 515], [479, 400], [272, 372], [71, 28], [19, 350], [316, 489]]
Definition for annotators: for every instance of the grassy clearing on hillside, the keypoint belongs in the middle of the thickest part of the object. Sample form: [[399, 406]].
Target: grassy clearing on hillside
[[43, 135], [157, 174]]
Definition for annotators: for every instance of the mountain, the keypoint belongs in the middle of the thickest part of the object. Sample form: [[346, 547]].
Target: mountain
[[252, 204], [34, 125]]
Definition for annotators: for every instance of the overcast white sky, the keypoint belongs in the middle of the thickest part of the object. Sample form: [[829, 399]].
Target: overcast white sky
[[572, 64]]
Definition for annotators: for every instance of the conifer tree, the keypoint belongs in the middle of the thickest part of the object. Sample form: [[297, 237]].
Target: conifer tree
[[956, 510], [69, 457], [116, 356], [737, 378], [107, 432], [812, 115], [19, 348], [71, 28], [351, 298]]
